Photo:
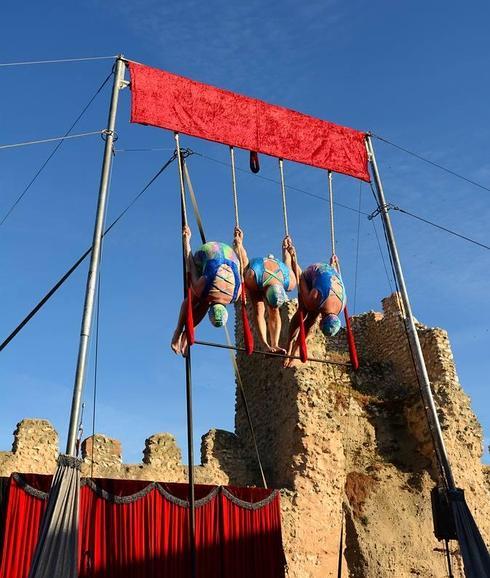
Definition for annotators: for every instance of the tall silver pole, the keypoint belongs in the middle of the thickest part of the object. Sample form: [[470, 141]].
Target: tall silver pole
[[421, 369], [94, 262]]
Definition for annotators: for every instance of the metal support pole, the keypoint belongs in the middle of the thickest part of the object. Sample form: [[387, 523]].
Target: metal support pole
[[421, 369], [94, 261], [188, 381]]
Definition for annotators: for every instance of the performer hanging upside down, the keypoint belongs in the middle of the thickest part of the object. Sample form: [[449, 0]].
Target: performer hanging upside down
[[267, 279], [215, 282], [321, 294]]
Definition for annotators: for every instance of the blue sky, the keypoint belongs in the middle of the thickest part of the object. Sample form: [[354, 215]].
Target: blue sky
[[412, 72]]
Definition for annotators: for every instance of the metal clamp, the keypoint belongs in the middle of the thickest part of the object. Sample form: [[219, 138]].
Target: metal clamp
[[106, 133], [383, 208], [186, 152]]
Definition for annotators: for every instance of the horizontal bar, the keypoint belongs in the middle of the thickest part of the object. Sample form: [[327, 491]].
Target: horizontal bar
[[270, 353]]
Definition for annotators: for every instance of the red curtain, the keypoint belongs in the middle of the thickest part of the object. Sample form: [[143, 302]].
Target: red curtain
[[131, 529], [166, 100], [23, 515]]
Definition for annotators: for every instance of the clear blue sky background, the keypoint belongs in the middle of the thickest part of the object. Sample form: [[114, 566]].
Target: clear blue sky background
[[414, 72]]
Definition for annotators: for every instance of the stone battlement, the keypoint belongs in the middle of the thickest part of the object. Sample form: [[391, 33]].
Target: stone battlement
[[334, 440]]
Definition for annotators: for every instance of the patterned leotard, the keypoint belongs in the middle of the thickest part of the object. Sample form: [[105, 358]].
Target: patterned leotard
[[321, 276], [209, 258], [269, 271]]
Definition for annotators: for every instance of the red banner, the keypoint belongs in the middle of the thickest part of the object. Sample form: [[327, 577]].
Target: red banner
[[166, 100]]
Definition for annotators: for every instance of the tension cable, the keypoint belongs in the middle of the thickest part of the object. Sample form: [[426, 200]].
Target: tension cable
[[80, 260], [55, 149]]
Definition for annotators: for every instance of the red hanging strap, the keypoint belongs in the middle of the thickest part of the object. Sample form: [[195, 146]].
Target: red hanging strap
[[254, 162], [351, 341], [248, 337], [189, 317]]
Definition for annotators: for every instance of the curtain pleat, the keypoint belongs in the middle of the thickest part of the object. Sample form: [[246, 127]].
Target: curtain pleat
[[144, 534]]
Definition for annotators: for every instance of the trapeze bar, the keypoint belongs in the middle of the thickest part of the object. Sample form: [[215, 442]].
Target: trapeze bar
[[269, 353]]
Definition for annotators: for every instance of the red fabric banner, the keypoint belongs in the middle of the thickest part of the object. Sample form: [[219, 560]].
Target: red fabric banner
[[131, 529], [174, 102]]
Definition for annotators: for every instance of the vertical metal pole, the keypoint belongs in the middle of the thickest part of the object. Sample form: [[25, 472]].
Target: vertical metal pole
[[188, 382], [421, 369], [94, 262], [283, 193]]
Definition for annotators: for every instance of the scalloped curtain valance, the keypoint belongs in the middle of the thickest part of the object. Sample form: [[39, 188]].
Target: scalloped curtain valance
[[139, 529]]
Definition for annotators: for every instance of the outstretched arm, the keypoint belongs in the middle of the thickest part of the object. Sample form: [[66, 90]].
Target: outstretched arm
[[189, 259], [239, 248], [291, 259]]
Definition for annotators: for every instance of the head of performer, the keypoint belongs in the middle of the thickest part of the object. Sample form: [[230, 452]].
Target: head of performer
[[330, 324], [275, 295], [218, 315]]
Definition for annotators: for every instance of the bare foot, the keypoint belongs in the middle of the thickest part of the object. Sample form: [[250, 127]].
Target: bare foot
[[175, 344], [291, 362], [277, 349], [183, 344]]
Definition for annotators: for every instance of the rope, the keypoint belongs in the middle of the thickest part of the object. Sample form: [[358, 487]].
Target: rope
[[53, 139], [283, 193], [247, 331], [233, 185], [434, 164], [332, 224], [53, 152], [357, 246], [382, 256], [81, 259], [334, 261], [235, 366], [270, 353], [412, 355], [464, 237], [181, 178], [57, 61], [200, 225], [245, 404]]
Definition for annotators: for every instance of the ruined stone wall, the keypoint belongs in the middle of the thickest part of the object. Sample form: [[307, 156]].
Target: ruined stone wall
[[35, 450], [360, 441], [334, 440]]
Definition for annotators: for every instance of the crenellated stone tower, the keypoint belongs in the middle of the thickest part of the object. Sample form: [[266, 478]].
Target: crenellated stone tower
[[340, 445]]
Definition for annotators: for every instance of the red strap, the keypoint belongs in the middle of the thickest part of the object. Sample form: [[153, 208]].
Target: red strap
[[303, 351], [351, 342], [254, 162], [248, 337], [189, 318]]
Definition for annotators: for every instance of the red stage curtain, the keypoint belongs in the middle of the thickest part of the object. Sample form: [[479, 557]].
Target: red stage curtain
[[131, 529], [22, 522], [251, 532], [166, 100]]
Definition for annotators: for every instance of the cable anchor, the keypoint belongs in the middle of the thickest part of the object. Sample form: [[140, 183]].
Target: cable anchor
[[186, 152], [383, 208]]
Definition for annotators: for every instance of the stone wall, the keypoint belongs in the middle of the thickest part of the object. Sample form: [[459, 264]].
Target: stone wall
[[340, 445], [35, 450], [359, 442]]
